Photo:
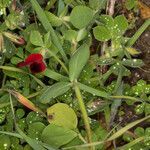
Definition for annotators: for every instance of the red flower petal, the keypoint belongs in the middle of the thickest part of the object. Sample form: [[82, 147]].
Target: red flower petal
[[33, 58], [37, 67], [22, 64]]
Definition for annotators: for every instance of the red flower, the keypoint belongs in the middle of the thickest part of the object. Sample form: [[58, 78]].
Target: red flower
[[35, 63]]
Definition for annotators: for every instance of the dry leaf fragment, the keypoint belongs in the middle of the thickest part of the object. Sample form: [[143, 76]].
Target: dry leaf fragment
[[144, 10]]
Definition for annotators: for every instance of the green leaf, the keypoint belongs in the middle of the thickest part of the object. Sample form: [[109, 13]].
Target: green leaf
[[133, 62], [57, 136], [13, 69], [9, 47], [81, 16], [22, 78], [70, 35], [15, 60], [48, 27], [47, 40], [55, 90], [130, 4], [101, 33], [139, 131], [132, 143], [36, 38], [54, 20], [32, 142], [116, 67], [62, 115], [11, 134], [35, 129], [93, 91], [106, 61], [78, 61], [81, 34], [147, 109], [55, 76], [100, 134], [108, 21], [132, 51], [75, 141], [120, 25], [97, 4]]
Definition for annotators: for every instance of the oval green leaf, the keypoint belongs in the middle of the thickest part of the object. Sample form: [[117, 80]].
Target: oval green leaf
[[101, 33], [133, 63], [81, 16], [57, 136], [107, 20], [62, 115], [120, 24], [36, 38]]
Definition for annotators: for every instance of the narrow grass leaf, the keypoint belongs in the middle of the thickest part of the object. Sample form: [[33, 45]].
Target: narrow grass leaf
[[78, 61], [125, 97], [93, 91], [132, 143], [14, 69], [55, 76], [48, 27], [126, 128], [32, 142], [138, 33], [12, 134], [55, 90]]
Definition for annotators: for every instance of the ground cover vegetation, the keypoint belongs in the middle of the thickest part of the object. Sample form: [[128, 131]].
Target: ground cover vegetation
[[74, 75]]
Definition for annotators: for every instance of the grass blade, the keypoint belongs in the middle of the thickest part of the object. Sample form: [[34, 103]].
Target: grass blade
[[32, 142], [55, 76], [93, 91], [132, 143], [14, 69], [48, 27], [126, 128]]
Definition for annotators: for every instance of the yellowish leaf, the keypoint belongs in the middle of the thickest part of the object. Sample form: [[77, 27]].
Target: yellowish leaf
[[23, 100], [132, 51], [144, 10]]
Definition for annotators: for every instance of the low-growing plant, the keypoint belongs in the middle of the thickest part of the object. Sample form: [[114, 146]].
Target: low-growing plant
[[51, 84]]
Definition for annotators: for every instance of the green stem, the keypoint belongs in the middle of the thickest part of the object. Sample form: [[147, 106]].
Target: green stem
[[3, 81], [138, 33], [119, 79], [57, 59], [84, 114], [50, 4]]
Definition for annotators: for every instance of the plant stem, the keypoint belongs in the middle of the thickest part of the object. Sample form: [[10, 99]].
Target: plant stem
[[84, 115], [138, 33], [50, 4], [119, 80], [62, 64]]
